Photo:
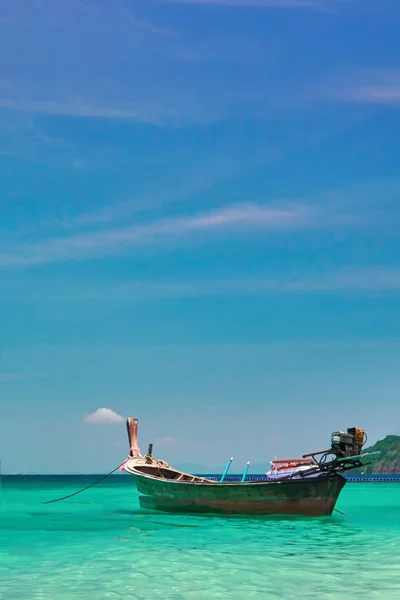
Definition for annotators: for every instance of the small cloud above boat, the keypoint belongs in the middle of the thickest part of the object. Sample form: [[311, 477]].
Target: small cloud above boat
[[103, 416], [166, 440]]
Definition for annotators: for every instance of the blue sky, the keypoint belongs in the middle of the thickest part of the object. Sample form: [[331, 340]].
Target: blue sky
[[199, 216]]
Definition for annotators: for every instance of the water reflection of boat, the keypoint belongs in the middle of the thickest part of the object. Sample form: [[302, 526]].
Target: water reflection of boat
[[307, 486]]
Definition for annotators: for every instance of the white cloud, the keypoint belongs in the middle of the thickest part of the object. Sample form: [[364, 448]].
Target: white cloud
[[103, 416]]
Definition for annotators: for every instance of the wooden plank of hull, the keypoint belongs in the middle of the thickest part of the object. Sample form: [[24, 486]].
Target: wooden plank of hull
[[314, 496]]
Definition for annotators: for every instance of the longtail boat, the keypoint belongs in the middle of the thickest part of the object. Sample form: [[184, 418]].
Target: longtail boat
[[307, 486]]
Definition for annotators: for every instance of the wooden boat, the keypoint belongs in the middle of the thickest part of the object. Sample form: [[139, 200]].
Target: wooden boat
[[308, 486]]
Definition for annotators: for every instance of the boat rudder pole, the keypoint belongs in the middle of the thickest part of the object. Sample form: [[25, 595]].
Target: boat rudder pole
[[226, 469], [245, 471]]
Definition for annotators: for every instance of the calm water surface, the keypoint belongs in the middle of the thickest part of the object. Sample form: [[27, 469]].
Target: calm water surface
[[99, 545]]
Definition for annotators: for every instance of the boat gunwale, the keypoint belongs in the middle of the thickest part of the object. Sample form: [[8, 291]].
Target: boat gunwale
[[212, 483]]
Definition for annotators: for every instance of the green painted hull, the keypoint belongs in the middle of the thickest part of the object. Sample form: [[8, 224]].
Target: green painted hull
[[315, 496]]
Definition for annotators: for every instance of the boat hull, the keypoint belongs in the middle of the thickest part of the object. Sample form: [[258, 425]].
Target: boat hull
[[308, 497]]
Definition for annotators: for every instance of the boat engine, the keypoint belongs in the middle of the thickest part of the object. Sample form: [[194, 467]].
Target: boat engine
[[348, 444]]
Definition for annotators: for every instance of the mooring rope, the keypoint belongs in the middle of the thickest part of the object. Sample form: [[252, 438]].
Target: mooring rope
[[87, 487]]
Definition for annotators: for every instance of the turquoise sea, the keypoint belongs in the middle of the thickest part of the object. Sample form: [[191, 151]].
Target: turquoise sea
[[99, 545]]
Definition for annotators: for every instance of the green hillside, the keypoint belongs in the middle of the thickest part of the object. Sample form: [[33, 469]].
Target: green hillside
[[389, 460]]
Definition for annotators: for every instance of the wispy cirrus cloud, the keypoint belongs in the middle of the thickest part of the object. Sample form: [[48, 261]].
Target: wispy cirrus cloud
[[374, 94], [367, 87], [259, 3], [344, 280], [107, 232], [352, 279], [50, 13], [90, 109], [168, 440], [124, 90], [114, 241]]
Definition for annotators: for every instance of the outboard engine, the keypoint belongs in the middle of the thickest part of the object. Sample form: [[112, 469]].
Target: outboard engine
[[348, 444]]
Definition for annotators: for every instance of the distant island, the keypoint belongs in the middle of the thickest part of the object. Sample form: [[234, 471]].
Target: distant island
[[388, 462]]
